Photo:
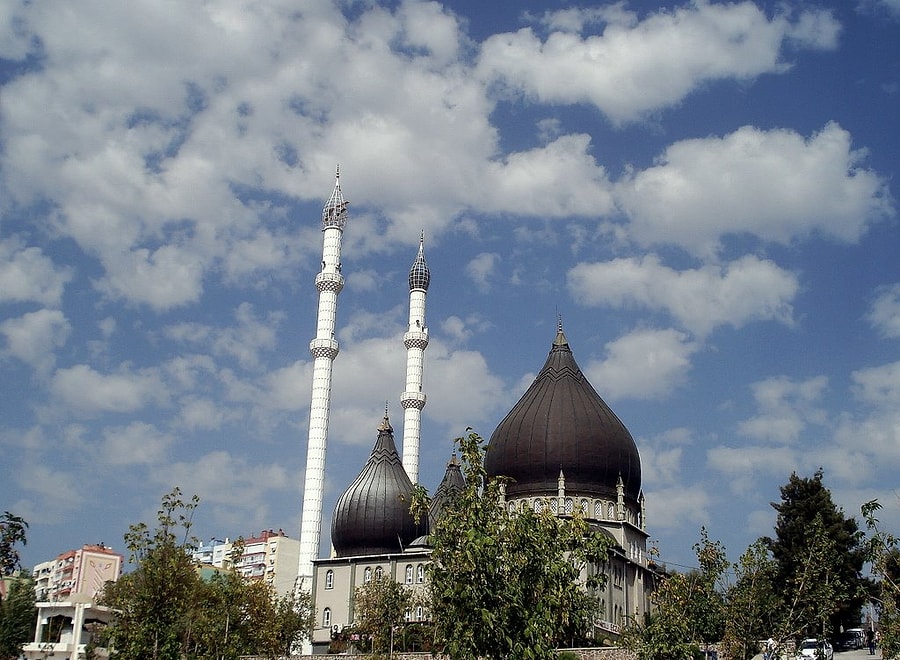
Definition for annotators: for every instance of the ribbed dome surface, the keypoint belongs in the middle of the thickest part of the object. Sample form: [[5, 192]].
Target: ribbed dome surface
[[451, 485], [561, 423], [372, 516], [419, 274]]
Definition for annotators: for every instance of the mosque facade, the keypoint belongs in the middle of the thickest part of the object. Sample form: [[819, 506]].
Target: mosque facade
[[561, 448]]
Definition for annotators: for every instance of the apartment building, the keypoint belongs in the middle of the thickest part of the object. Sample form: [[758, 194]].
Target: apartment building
[[273, 557], [77, 573]]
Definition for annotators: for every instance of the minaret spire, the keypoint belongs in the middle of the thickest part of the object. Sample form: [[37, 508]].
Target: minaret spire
[[416, 341], [324, 349]]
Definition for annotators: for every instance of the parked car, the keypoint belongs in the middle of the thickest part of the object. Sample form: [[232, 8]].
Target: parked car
[[849, 640], [860, 636], [815, 649]]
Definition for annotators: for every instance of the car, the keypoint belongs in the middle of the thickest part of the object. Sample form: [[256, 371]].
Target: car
[[849, 640], [815, 649], [860, 637]]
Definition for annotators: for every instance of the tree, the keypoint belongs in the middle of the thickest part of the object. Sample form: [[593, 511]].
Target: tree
[[165, 610], [689, 610], [836, 542], [503, 584], [751, 603], [155, 602], [17, 617], [12, 532], [380, 607], [883, 551]]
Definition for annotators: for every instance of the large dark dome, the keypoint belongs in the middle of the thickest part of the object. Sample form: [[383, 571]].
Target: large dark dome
[[372, 516], [562, 424]]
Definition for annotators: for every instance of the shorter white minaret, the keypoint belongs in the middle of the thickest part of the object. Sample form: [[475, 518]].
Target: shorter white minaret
[[416, 341]]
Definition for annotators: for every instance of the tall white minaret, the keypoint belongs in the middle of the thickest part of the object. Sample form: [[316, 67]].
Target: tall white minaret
[[416, 341], [324, 349]]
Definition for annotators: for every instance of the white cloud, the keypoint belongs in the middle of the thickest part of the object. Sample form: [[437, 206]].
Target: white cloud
[[137, 443], [556, 180], [48, 495], [884, 314], [243, 342], [35, 336], [482, 268], [878, 386], [786, 409], [26, 275], [744, 465], [677, 508], [749, 289], [644, 364], [634, 68], [244, 505], [88, 391], [775, 185]]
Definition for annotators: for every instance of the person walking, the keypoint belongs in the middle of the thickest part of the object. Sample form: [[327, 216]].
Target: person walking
[[870, 640]]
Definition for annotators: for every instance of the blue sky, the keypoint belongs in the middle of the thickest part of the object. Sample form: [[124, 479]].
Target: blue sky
[[705, 192]]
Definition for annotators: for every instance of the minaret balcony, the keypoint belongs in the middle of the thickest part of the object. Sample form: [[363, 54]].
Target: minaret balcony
[[412, 400], [324, 348], [329, 281], [416, 339]]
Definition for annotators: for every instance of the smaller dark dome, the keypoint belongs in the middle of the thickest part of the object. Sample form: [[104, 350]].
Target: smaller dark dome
[[451, 485], [372, 516], [419, 275]]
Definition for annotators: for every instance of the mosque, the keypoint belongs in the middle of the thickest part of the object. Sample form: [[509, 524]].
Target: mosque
[[561, 446]]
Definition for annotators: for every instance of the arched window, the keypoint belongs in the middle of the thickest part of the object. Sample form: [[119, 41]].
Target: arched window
[[598, 510], [584, 507], [610, 511], [570, 505], [379, 572], [419, 613], [367, 575], [420, 573], [538, 506], [329, 579], [326, 617], [409, 574], [554, 505]]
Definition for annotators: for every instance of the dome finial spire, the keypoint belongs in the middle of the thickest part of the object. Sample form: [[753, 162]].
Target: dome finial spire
[[560, 335]]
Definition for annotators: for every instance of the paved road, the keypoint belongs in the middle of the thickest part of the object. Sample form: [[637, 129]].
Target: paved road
[[862, 654]]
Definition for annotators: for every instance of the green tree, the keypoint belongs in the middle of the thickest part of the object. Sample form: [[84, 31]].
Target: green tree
[[165, 611], [156, 601], [234, 617], [689, 609], [380, 609], [752, 603], [883, 552], [838, 545], [17, 616], [12, 532], [508, 585]]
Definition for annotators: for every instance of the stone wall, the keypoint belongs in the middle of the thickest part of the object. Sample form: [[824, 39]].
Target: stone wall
[[605, 653]]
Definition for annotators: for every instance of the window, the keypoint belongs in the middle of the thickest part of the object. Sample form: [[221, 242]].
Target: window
[[367, 575], [326, 617], [409, 574], [420, 573], [379, 572], [598, 510], [538, 506], [570, 506], [419, 613], [610, 511], [329, 579]]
